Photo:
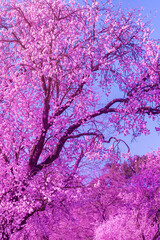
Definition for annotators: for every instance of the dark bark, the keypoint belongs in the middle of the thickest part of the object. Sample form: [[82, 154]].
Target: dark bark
[[38, 147], [72, 128]]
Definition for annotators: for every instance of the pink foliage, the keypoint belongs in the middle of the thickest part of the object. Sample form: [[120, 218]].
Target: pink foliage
[[138, 215], [59, 63]]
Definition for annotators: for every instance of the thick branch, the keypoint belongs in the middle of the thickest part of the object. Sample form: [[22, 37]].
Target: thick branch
[[149, 110], [28, 215], [36, 152], [68, 103], [38, 147], [73, 127], [47, 90], [4, 156], [85, 134], [157, 234]]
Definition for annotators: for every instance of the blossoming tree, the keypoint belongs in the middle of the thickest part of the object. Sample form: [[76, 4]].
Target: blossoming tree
[[138, 214], [59, 62]]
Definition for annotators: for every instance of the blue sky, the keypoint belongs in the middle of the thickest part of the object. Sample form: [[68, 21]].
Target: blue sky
[[144, 144], [150, 8]]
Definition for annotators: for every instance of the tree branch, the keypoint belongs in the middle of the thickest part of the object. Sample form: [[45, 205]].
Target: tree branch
[[76, 165], [28, 215], [149, 110], [117, 141], [68, 103], [85, 134], [37, 148], [72, 128]]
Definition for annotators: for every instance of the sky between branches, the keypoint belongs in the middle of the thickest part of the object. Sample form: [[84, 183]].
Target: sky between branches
[[144, 144]]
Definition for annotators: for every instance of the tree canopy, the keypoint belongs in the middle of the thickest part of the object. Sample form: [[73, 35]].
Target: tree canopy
[[59, 65]]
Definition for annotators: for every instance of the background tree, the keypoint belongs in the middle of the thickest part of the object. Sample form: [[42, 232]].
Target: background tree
[[59, 62], [138, 214]]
